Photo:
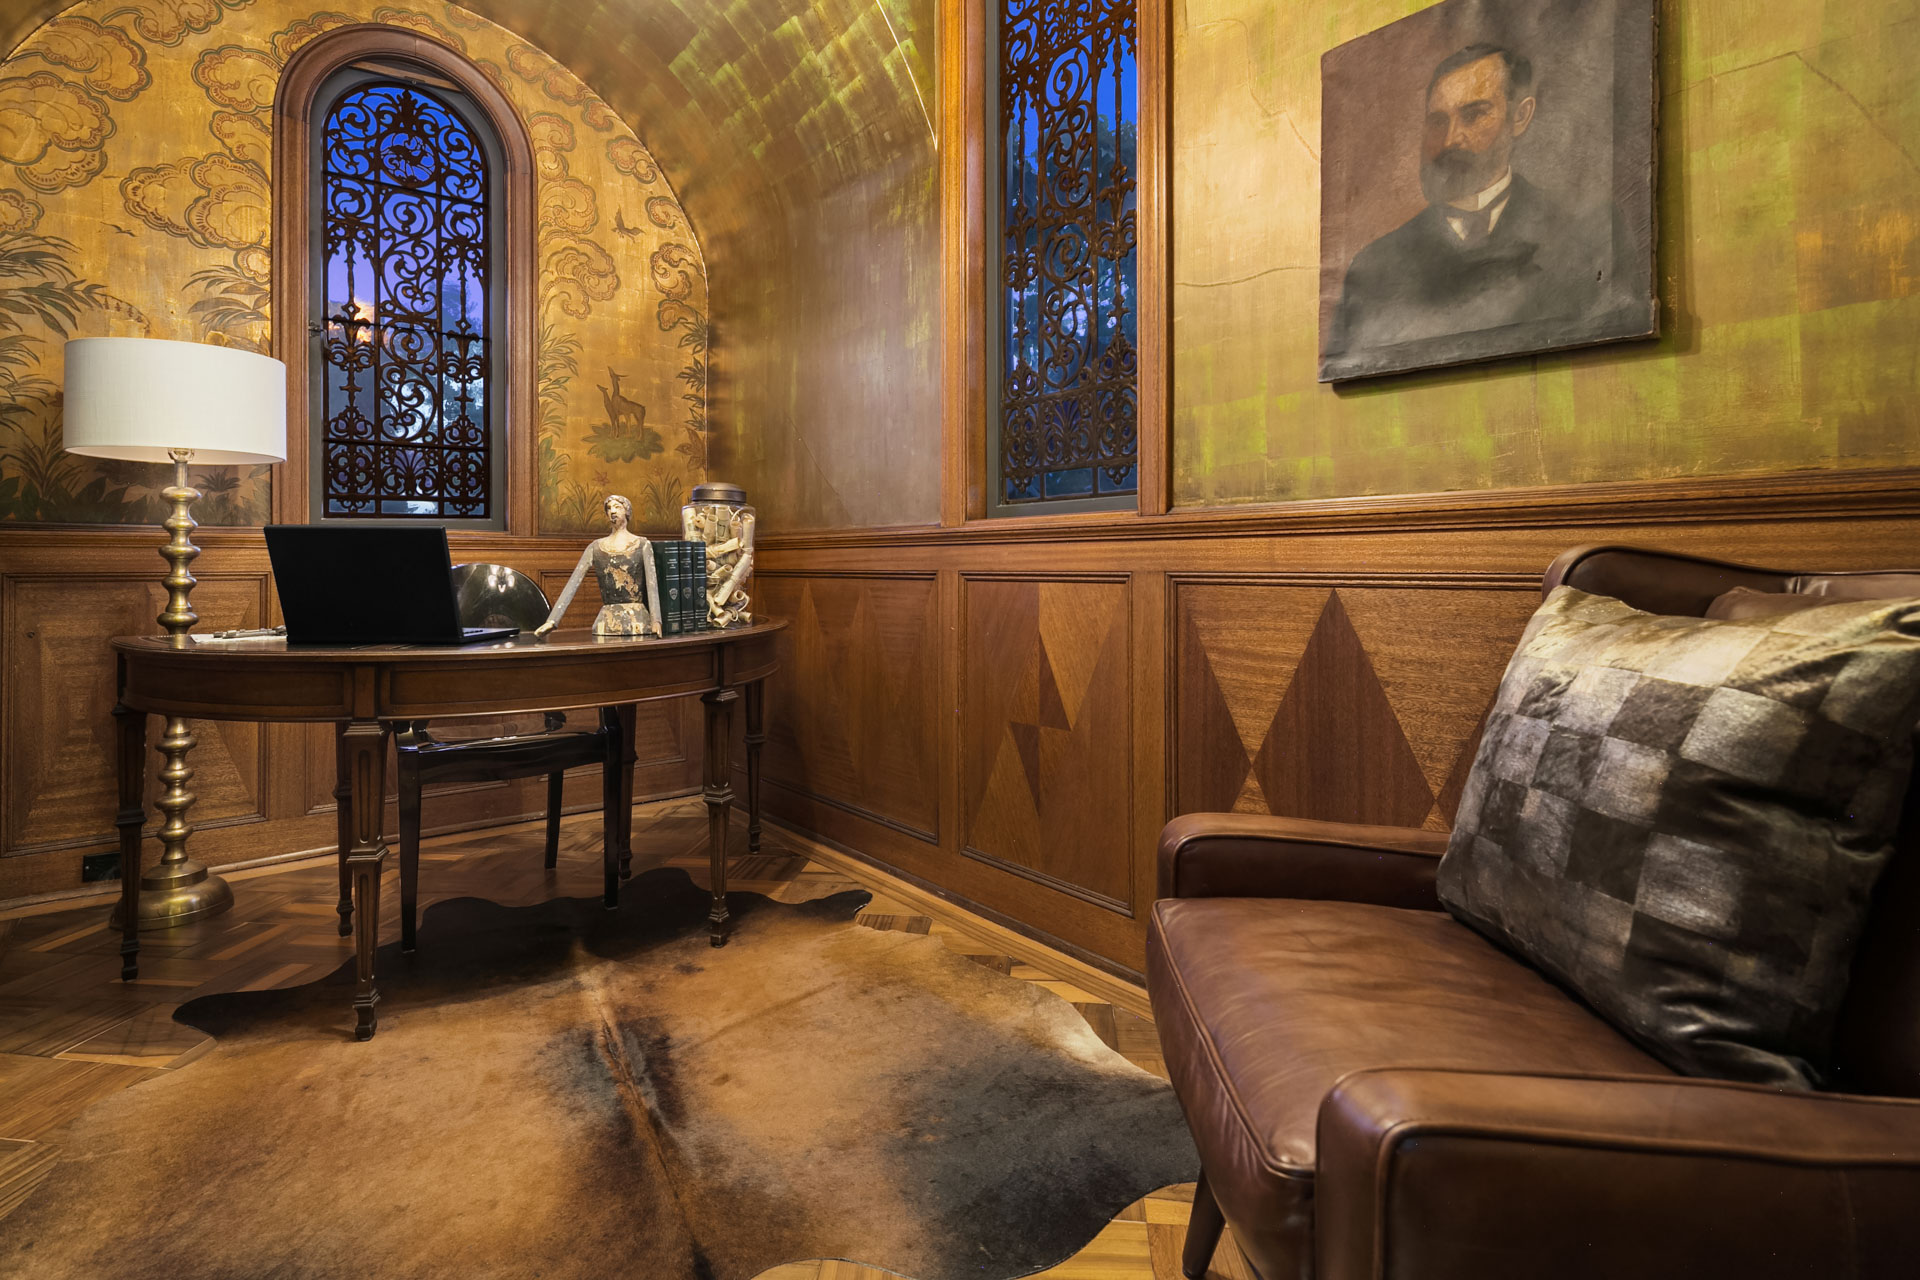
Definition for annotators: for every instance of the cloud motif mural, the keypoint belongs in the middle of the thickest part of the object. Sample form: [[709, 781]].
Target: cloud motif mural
[[173, 98]]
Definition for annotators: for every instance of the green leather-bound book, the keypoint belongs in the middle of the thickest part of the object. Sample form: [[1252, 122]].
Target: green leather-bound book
[[666, 564]]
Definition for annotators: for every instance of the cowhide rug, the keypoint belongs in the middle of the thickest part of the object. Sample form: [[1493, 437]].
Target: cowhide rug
[[563, 1091]]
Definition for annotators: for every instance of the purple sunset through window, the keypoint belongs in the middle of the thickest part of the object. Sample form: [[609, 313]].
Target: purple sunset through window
[[404, 189]]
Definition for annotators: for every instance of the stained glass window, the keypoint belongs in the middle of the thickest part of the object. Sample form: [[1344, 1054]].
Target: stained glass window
[[1068, 104], [406, 259]]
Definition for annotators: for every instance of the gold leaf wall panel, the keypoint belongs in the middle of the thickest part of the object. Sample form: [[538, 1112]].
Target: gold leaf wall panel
[[136, 200], [799, 133], [1786, 259]]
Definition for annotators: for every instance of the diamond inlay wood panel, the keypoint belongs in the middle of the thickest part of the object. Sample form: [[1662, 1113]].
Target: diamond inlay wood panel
[[1358, 704], [57, 787], [1046, 742], [853, 712]]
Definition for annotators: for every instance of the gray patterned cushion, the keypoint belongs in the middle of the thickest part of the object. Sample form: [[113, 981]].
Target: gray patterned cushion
[[1682, 820]]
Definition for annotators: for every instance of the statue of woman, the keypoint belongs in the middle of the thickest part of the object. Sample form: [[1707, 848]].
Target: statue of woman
[[622, 561]]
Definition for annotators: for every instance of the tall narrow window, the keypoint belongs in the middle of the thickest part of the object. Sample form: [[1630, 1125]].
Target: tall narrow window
[[405, 250], [1064, 307]]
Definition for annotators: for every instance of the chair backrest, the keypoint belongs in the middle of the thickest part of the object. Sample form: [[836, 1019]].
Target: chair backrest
[[1877, 1044], [493, 595]]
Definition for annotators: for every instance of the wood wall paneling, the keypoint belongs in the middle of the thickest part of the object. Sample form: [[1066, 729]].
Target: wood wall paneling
[[853, 717], [57, 789], [1046, 732], [1334, 662], [1349, 704]]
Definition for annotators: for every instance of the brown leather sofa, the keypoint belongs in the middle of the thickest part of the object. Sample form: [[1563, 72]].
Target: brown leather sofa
[[1377, 1091]]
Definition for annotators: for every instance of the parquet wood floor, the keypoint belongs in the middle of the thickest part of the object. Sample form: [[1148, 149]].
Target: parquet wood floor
[[71, 1033]]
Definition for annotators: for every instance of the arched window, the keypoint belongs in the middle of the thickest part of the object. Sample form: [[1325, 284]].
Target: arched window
[[405, 302]]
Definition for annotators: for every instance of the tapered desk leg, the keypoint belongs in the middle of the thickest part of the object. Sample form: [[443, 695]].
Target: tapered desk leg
[[756, 738], [131, 740], [718, 791], [613, 853], [628, 714], [343, 826], [364, 751]]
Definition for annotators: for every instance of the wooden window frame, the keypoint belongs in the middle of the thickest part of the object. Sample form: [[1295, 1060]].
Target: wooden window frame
[[293, 194], [966, 115]]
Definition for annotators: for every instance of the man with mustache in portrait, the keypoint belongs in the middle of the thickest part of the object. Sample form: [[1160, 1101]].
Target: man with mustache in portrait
[[1490, 250]]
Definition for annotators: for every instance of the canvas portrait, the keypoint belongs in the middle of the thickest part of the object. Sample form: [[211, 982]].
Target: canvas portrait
[[1487, 185]]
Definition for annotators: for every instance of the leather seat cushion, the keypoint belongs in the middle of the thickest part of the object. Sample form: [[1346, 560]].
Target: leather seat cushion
[[1264, 1004]]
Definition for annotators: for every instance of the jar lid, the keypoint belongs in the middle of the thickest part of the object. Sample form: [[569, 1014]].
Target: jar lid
[[715, 491]]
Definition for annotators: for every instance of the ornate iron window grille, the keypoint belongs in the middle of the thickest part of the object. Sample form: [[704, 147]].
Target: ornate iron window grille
[[1068, 364], [406, 259]]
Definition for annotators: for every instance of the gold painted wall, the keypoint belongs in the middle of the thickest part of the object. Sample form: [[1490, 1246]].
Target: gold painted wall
[[798, 138], [1789, 260], [135, 199], [828, 376]]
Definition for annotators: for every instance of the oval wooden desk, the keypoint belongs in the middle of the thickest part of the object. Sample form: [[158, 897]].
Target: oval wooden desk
[[369, 687]]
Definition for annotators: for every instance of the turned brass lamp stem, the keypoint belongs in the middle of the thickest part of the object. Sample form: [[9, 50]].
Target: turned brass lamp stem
[[179, 552], [178, 889]]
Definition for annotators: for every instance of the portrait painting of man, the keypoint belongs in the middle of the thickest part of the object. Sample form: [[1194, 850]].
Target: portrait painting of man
[[1487, 185]]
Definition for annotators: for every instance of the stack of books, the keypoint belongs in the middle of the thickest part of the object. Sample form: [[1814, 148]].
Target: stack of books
[[681, 566]]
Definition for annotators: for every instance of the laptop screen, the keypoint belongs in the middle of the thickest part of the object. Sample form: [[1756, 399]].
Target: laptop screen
[[342, 584]]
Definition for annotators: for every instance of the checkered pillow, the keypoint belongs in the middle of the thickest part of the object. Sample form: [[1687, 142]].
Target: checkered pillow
[[1682, 820]]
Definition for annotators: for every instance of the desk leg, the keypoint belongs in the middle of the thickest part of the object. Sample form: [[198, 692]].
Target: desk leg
[[628, 714], [756, 738], [130, 734], [343, 826], [364, 752], [719, 796]]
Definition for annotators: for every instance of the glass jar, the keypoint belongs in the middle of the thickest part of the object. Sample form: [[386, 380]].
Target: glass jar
[[718, 515]]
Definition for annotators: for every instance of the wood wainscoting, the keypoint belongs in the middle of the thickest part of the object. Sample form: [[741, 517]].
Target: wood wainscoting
[[261, 791], [1008, 712]]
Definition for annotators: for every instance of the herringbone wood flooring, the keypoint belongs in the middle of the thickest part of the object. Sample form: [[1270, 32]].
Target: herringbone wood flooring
[[71, 1033]]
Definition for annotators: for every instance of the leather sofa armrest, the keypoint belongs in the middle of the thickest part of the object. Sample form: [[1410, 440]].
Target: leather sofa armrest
[[1453, 1174], [1242, 855]]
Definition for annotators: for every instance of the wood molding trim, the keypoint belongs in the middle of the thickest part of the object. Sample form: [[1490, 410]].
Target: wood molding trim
[[1153, 222], [1799, 495], [963, 416], [867, 815], [292, 200], [1082, 968], [1052, 882]]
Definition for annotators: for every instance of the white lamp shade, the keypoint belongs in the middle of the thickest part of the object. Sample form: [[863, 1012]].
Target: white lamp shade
[[140, 398]]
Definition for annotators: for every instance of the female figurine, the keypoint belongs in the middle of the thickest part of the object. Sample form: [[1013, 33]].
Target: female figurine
[[621, 561]]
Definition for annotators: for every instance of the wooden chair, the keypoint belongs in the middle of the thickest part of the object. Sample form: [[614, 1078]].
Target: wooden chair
[[492, 595]]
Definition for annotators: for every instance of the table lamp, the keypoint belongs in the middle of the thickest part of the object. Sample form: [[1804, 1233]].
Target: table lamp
[[149, 400]]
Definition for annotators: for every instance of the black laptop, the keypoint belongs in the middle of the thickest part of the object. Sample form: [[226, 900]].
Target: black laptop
[[346, 584]]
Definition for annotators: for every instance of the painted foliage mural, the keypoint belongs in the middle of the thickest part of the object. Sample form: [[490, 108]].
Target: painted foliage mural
[[135, 200]]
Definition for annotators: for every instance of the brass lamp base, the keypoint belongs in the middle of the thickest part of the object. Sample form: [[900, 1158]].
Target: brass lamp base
[[179, 889], [177, 893]]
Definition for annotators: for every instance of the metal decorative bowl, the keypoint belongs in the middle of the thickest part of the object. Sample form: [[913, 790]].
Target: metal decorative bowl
[[492, 595]]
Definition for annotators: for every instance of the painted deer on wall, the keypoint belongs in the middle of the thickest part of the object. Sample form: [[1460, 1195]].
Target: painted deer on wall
[[623, 414]]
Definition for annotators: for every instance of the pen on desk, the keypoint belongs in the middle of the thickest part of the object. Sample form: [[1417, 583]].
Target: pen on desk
[[242, 634]]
